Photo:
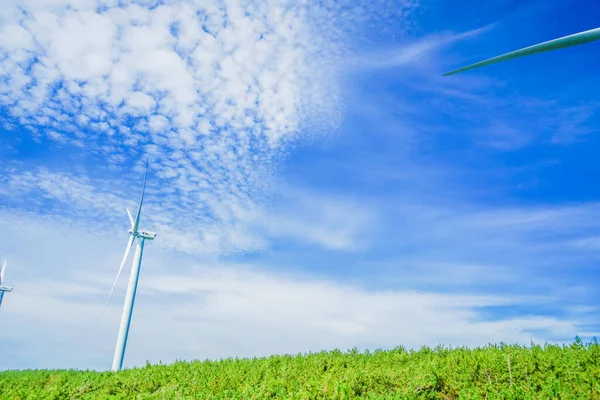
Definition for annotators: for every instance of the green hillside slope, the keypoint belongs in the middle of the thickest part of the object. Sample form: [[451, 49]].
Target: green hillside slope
[[492, 372]]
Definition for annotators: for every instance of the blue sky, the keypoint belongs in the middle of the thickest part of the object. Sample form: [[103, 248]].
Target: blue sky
[[314, 181]]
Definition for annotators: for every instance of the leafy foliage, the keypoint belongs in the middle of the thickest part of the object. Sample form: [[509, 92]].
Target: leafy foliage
[[493, 372]]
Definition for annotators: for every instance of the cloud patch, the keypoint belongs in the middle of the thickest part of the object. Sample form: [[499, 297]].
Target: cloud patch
[[212, 93]]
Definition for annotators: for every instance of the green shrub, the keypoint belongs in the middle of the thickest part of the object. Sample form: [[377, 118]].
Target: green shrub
[[492, 372]]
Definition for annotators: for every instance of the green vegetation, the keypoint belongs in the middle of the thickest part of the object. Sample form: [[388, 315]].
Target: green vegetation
[[493, 372]]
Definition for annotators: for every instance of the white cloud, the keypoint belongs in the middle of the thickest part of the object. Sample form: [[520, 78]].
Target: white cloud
[[313, 219], [141, 102], [409, 53], [222, 62], [334, 223], [210, 91]]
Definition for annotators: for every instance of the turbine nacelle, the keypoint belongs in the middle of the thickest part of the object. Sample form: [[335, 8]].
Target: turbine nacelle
[[6, 288], [143, 234], [146, 235]]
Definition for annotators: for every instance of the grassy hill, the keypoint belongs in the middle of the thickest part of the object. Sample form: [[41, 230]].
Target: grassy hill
[[493, 372]]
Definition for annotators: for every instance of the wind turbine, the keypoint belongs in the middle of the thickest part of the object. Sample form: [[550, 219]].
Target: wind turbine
[[560, 43], [3, 288], [141, 236]]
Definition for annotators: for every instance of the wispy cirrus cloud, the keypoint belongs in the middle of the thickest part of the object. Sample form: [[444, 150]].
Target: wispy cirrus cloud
[[211, 92], [406, 54], [313, 219]]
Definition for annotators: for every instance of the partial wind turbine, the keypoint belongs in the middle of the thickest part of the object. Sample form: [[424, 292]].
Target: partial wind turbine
[[2, 287], [140, 236], [560, 43]]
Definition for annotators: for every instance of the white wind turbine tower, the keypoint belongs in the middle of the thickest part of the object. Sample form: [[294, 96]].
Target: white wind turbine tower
[[3, 288], [134, 275]]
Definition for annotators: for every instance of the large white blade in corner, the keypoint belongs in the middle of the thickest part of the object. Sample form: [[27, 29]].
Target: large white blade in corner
[[3, 271], [127, 249], [560, 43]]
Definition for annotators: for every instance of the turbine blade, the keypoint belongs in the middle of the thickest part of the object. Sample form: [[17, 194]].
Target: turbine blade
[[130, 217], [127, 249], [560, 43], [137, 217], [3, 271]]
